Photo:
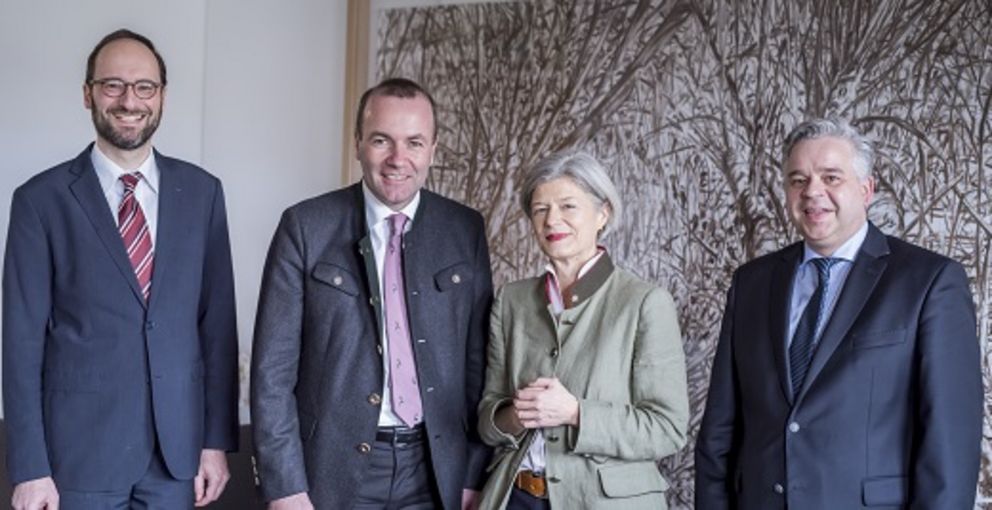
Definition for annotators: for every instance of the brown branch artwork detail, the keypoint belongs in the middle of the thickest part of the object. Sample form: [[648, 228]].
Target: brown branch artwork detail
[[687, 102]]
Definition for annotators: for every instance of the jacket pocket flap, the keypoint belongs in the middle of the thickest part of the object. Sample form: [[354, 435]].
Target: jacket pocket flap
[[336, 277], [867, 339], [631, 479], [453, 277], [884, 491]]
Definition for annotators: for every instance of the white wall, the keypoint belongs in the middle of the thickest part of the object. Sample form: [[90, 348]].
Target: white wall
[[256, 96], [273, 121]]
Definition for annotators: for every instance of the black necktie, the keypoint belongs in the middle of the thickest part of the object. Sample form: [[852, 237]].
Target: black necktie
[[801, 349]]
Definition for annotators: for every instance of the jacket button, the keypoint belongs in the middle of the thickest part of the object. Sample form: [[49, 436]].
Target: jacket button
[[364, 448], [375, 399], [456, 278], [553, 439], [554, 352], [337, 281], [554, 479], [779, 489], [793, 427]]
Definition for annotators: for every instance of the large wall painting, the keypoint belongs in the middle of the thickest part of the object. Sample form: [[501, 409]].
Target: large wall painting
[[687, 103]]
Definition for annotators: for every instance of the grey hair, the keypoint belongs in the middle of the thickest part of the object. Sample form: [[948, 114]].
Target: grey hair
[[586, 172], [817, 128]]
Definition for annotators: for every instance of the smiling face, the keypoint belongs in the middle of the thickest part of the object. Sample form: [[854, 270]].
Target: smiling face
[[396, 147], [125, 123], [827, 199], [566, 220]]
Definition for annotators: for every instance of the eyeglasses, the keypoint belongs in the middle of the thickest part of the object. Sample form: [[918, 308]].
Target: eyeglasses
[[114, 87]]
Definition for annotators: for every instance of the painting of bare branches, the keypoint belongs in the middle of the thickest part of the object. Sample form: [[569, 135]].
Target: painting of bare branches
[[687, 102]]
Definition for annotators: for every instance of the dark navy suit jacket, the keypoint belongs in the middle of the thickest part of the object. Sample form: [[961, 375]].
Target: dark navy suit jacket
[[890, 415], [317, 374], [93, 377]]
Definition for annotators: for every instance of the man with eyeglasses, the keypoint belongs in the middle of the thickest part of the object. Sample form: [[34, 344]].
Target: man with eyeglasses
[[119, 334]]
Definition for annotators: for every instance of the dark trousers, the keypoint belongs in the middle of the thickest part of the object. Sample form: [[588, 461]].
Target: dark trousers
[[156, 490], [521, 500], [399, 477]]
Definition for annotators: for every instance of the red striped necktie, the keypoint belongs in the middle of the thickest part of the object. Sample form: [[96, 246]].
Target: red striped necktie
[[134, 230]]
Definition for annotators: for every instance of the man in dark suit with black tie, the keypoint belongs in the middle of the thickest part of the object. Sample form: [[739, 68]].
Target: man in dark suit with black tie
[[119, 335], [369, 350], [847, 373]]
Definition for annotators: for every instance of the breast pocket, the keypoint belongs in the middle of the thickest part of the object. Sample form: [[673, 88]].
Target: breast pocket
[[874, 339], [454, 277], [337, 277]]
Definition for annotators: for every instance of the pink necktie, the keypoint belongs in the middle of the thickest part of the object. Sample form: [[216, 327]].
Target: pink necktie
[[402, 368], [134, 230]]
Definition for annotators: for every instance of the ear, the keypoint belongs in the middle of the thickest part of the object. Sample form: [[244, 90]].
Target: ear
[[603, 218], [868, 190], [87, 96]]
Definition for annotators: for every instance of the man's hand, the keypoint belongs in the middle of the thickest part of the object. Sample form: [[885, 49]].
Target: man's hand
[[37, 494], [211, 478], [298, 501], [470, 499], [546, 403]]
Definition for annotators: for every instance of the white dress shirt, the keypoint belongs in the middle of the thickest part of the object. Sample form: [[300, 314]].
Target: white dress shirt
[[146, 192], [376, 217]]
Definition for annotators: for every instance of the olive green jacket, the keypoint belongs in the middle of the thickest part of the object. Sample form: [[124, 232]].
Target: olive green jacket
[[618, 350]]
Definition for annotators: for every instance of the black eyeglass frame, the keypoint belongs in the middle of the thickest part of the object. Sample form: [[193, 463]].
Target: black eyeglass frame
[[124, 85]]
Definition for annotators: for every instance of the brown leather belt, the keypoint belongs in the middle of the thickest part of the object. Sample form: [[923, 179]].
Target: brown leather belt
[[532, 483]]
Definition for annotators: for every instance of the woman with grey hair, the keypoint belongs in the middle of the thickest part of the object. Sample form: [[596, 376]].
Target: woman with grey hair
[[586, 385]]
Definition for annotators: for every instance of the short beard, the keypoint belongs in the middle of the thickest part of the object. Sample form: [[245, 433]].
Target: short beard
[[117, 139]]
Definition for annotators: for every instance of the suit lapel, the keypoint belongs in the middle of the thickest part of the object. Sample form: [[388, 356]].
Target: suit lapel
[[87, 191], [868, 268], [778, 320], [168, 234]]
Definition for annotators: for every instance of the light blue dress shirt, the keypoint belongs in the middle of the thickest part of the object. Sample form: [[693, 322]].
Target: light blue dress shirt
[[806, 280]]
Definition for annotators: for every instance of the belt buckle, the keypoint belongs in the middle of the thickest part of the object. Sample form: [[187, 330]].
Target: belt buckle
[[533, 484], [401, 435]]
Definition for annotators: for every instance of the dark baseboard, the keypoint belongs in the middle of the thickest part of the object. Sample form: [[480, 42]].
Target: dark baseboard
[[239, 495]]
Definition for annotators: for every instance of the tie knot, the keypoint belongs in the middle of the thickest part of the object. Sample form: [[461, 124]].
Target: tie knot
[[397, 222], [131, 180], [823, 265]]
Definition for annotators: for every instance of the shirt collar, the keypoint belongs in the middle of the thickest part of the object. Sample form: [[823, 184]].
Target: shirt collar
[[109, 172], [847, 251], [377, 212], [592, 275]]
